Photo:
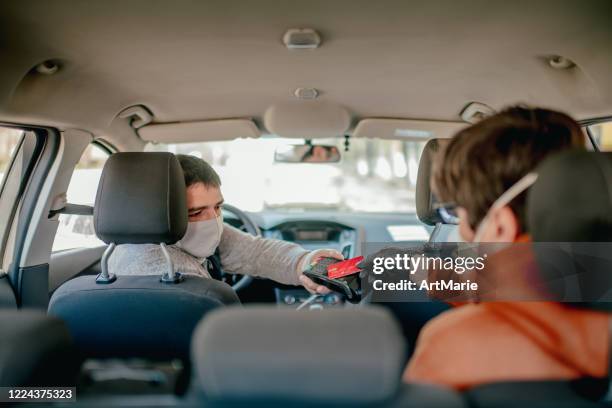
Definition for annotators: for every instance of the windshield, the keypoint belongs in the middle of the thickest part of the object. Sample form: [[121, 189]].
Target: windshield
[[374, 175]]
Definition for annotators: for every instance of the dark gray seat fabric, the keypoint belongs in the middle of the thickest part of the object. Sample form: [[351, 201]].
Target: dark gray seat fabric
[[137, 316], [35, 350], [571, 204], [265, 356], [140, 200], [408, 395], [537, 394], [572, 199]]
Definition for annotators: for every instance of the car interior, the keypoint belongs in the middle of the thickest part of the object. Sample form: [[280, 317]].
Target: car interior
[[322, 119]]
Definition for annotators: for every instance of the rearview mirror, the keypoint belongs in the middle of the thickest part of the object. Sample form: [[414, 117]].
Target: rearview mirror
[[307, 153]]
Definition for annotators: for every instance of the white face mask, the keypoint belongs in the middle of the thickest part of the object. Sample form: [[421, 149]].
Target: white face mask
[[202, 237], [503, 200]]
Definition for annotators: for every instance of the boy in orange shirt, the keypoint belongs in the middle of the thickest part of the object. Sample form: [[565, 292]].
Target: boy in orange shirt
[[504, 341]]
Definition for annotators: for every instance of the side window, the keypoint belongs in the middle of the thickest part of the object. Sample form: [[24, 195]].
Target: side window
[[9, 140], [17, 150], [77, 231], [602, 133]]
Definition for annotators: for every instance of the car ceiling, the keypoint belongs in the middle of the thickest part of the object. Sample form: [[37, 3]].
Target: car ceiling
[[198, 60]]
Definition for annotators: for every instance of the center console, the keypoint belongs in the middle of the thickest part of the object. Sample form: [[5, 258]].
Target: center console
[[314, 235]]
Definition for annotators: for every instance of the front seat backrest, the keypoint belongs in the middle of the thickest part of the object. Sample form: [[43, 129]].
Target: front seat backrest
[[140, 199], [266, 356]]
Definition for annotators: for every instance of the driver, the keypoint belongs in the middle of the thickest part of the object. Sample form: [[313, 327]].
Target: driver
[[210, 245]]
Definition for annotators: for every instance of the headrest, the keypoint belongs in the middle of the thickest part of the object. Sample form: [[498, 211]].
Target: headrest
[[141, 199], [425, 199], [333, 356], [572, 198], [569, 215]]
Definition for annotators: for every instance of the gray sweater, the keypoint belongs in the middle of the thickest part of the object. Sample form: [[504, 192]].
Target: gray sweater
[[241, 253]]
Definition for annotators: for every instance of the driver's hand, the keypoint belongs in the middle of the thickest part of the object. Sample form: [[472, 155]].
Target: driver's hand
[[310, 259]]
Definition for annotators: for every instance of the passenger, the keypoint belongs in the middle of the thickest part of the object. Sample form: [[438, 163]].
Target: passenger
[[208, 241], [485, 342]]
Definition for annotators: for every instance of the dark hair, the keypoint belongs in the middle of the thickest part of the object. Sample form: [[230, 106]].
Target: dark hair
[[198, 171], [483, 160]]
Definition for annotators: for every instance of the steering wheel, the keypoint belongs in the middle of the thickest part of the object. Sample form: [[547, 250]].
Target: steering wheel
[[239, 282]]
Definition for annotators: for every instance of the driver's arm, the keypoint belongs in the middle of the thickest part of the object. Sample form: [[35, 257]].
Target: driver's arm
[[245, 254]]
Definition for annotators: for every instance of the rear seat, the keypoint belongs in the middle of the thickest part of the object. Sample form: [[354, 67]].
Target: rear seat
[[35, 350], [266, 356]]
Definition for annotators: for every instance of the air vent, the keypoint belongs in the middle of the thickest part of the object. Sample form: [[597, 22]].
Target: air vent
[[302, 38]]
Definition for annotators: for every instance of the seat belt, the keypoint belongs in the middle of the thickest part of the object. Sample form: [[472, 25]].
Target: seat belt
[[213, 265]]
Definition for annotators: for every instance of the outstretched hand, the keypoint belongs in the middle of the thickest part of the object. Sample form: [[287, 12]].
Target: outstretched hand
[[310, 259]]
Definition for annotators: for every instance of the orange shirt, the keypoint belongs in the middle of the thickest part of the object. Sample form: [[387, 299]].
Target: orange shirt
[[504, 341]]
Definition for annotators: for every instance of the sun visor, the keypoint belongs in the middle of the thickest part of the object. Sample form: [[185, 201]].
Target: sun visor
[[406, 129], [200, 131], [307, 119]]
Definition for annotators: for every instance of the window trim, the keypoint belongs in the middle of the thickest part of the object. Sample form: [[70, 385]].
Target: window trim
[[106, 146], [12, 159], [587, 123], [49, 140], [39, 147]]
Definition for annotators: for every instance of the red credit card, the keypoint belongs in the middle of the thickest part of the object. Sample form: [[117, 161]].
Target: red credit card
[[344, 268]]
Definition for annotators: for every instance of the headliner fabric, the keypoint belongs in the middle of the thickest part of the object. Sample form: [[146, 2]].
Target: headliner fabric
[[334, 355], [225, 58], [141, 199]]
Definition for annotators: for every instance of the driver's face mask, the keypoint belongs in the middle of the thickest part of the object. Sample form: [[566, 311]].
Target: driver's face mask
[[503, 200], [202, 237]]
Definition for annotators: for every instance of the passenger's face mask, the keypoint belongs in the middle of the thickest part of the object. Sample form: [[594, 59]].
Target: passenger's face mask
[[202, 237], [503, 200]]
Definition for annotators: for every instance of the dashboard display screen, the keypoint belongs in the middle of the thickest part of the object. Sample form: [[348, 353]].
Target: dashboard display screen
[[311, 235]]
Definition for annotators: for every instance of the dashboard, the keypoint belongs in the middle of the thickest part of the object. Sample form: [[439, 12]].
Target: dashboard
[[346, 232], [314, 234]]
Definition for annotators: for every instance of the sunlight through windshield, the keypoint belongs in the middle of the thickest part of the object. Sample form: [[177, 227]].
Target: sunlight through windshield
[[373, 176]]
